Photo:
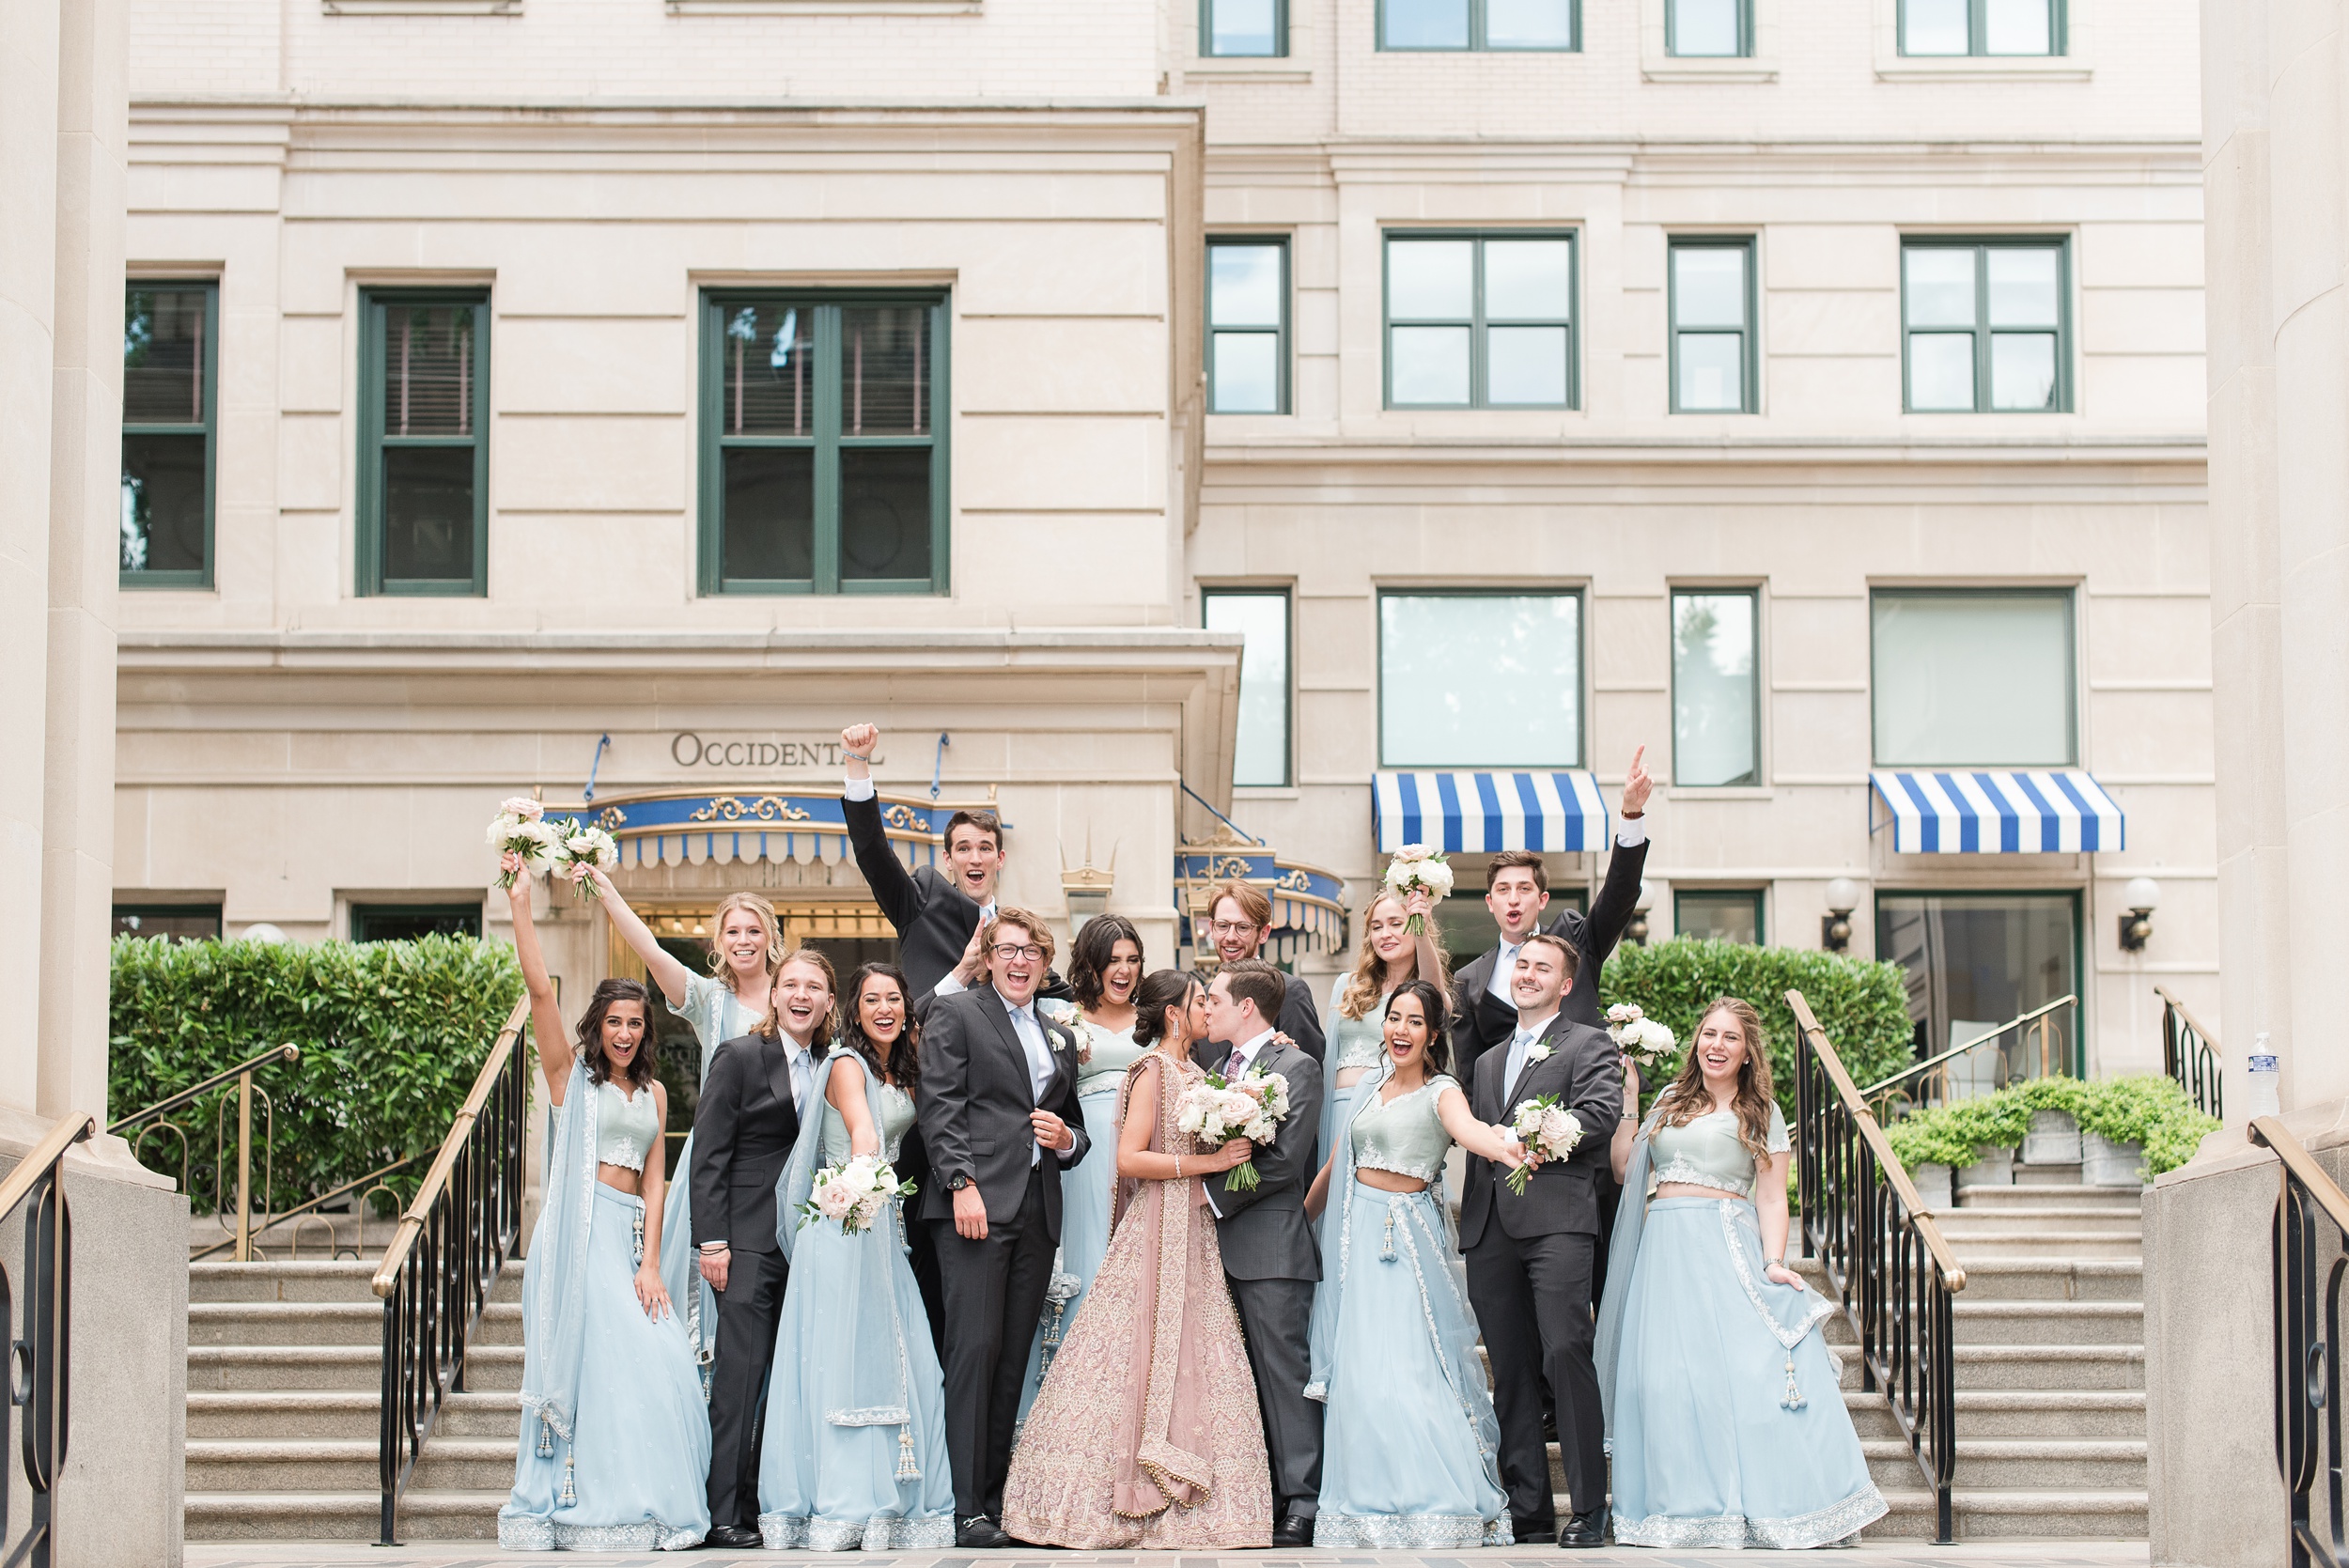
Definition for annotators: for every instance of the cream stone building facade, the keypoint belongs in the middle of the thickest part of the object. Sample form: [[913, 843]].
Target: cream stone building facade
[[635, 393]]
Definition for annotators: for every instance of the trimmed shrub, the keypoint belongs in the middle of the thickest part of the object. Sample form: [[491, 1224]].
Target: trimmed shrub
[[392, 1035], [2149, 1110], [1863, 1007]]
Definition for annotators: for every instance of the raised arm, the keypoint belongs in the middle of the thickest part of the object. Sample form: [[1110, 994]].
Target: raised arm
[[1472, 1134], [891, 884], [1426, 961], [844, 1090], [1627, 1123], [671, 976], [556, 1051], [1617, 896]]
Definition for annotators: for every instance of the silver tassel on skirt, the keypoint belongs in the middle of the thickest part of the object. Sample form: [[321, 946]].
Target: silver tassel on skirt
[[1794, 1400], [1386, 1252], [571, 1493], [907, 1468]]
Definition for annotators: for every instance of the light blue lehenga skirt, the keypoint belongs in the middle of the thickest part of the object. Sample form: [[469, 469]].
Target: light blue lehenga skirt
[[854, 1453], [1085, 1232], [639, 1456], [1409, 1443], [1727, 1420]]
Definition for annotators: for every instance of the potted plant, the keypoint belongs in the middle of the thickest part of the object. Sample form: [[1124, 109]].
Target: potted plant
[[2121, 1119], [1926, 1147], [2053, 1137]]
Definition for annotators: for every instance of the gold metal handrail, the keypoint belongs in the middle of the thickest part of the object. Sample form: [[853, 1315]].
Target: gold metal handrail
[[1896, 1175], [286, 1054], [420, 1207], [319, 1201], [62, 1135], [1883, 1088], [2271, 1132]]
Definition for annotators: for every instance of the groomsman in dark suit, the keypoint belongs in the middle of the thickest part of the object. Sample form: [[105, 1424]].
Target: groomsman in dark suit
[[1530, 1256], [999, 1112], [1517, 891], [1240, 921], [744, 1126], [1270, 1258]]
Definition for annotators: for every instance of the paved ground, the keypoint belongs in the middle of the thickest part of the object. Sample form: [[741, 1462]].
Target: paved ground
[[1889, 1554]]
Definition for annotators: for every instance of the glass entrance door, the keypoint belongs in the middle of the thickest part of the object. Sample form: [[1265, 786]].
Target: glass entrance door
[[1976, 960]]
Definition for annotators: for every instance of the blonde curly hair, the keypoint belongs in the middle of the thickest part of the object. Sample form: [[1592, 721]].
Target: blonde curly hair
[[1363, 988]]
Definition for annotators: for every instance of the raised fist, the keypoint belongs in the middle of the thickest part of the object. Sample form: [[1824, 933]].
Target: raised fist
[[860, 740]]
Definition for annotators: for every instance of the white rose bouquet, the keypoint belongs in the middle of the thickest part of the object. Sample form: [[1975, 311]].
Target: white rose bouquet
[[1636, 1035], [579, 846], [518, 829], [853, 1195], [1252, 1106], [1547, 1128], [1415, 866]]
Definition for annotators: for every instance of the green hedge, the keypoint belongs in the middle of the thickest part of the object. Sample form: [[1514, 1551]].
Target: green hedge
[[392, 1035], [2149, 1110], [1863, 1007]]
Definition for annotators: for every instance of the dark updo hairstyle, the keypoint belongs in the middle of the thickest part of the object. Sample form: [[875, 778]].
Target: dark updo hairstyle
[[905, 1056], [1432, 1008], [591, 1031], [1153, 996], [1089, 955]]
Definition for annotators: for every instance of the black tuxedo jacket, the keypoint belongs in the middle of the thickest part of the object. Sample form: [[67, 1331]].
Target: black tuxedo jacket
[[1584, 1069], [1262, 1231], [743, 1131], [1481, 1020], [932, 917], [976, 1096]]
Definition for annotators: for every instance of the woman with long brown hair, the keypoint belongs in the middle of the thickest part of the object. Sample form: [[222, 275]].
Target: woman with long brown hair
[[1723, 1409], [1390, 955]]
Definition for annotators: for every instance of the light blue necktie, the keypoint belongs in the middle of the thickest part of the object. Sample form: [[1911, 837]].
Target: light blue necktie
[[1517, 1043]]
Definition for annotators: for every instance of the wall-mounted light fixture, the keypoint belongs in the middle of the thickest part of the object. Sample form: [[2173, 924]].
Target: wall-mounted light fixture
[[1842, 897], [1087, 889], [2142, 895], [1635, 929]]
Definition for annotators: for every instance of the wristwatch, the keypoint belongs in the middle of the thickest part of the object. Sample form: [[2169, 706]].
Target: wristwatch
[[956, 1184]]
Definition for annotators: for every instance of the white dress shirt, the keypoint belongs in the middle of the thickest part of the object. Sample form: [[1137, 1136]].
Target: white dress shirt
[[1029, 1030], [1243, 1055], [1629, 836], [857, 789]]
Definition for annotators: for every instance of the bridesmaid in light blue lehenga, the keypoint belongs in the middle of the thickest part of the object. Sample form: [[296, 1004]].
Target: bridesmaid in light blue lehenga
[[1104, 966], [614, 1453], [1354, 1043], [854, 1449], [719, 1007], [1410, 1447], [1723, 1410]]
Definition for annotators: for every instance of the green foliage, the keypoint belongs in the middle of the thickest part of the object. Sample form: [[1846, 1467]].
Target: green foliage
[[2151, 1112], [392, 1035], [1862, 1006]]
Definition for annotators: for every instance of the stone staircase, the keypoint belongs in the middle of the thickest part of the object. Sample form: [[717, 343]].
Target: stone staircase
[[285, 1380]]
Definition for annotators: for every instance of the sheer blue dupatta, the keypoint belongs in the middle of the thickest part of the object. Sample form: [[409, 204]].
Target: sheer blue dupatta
[[1623, 1255], [554, 1277], [1336, 1235]]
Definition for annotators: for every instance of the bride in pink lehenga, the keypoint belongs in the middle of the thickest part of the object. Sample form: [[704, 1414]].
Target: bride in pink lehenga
[[1146, 1433]]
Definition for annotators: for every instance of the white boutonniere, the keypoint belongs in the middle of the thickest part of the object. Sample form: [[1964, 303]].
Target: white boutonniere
[[1537, 1052]]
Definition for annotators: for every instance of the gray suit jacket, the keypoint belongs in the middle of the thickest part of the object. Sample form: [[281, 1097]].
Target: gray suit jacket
[[976, 1096], [1263, 1232], [1584, 1069]]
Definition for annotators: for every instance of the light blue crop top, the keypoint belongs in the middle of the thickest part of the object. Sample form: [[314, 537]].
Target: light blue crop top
[[1707, 1153], [896, 1107], [1354, 1042], [1406, 1134], [1112, 1052], [626, 1129]]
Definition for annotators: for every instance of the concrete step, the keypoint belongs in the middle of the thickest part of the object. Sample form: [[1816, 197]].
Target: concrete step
[[211, 1282], [2024, 1367], [2009, 1240], [2032, 1196], [344, 1515], [2055, 1279], [262, 1368], [285, 1323], [2019, 1515], [2047, 1322], [482, 1415], [2069, 1217], [2013, 1464], [2077, 1415], [348, 1415], [219, 1465], [495, 1369], [501, 1324]]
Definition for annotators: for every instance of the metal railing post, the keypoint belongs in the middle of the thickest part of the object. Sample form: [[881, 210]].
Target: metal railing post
[[244, 1167]]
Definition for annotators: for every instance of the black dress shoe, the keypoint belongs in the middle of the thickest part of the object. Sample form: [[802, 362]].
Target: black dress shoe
[[1583, 1530], [1536, 1534], [979, 1532], [1295, 1531], [735, 1538]]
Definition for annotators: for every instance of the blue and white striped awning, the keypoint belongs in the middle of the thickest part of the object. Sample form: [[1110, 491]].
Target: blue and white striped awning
[[1481, 813], [1999, 811]]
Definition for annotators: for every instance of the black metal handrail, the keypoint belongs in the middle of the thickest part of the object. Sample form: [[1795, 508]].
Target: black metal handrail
[[1864, 1220], [2307, 1352], [437, 1274], [2189, 1054], [38, 1359]]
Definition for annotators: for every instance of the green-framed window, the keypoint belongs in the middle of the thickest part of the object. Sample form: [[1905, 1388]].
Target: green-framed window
[[823, 443], [1714, 366], [1261, 749], [1484, 24], [1243, 29], [170, 390], [182, 922], [424, 441], [1718, 914], [1708, 29], [1477, 678], [1986, 326], [1248, 324], [1973, 677], [1717, 688], [403, 923], [1481, 321], [1942, 28]]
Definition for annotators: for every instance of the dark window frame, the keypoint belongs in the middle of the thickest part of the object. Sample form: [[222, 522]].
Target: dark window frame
[[2071, 674], [374, 347], [1477, 35], [1745, 34], [1978, 33], [361, 914], [201, 578], [1748, 335], [1479, 326], [2075, 896], [152, 911], [824, 440], [1982, 330], [1759, 896], [1288, 597], [1280, 34], [1673, 594], [1281, 333], [1579, 594]]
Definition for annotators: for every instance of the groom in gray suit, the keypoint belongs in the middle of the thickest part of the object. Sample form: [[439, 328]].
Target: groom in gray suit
[[1270, 1258]]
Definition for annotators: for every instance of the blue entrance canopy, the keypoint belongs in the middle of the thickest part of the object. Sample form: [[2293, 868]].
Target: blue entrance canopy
[[1551, 811], [1999, 811]]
